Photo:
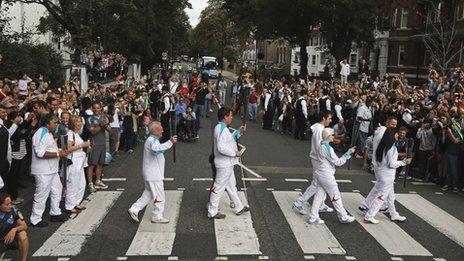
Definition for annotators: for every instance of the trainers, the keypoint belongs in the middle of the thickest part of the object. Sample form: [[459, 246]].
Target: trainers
[[91, 187], [58, 218], [300, 210], [445, 188], [219, 215], [40, 224], [130, 151], [100, 185], [232, 204], [244, 209], [398, 218], [326, 209], [455, 189], [315, 221], [133, 216], [159, 220], [371, 220], [347, 219]]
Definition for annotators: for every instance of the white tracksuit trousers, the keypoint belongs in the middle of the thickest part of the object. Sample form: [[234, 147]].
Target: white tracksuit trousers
[[385, 194], [310, 191], [373, 193], [154, 192], [225, 180], [327, 185], [46, 185], [75, 182]]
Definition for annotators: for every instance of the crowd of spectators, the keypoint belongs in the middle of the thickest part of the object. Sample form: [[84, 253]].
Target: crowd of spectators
[[103, 66]]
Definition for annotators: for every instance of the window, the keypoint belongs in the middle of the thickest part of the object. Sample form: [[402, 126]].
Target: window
[[313, 60], [297, 57], [322, 61], [353, 60], [404, 18], [395, 14], [401, 58]]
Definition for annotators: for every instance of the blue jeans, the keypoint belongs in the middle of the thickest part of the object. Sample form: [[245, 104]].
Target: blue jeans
[[362, 136], [452, 178], [253, 111], [198, 109]]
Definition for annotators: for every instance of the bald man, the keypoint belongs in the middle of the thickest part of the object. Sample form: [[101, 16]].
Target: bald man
[[153, 174]]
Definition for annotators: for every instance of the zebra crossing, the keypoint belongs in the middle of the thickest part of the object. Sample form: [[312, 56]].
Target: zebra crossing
[[237, 236]]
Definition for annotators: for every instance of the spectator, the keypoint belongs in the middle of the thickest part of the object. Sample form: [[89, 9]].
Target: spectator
[[13, 228]]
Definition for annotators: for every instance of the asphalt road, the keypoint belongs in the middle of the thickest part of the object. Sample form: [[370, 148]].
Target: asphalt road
[[284, 162]]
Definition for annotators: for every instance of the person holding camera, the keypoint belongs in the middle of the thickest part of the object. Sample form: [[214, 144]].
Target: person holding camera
[[75, 178], [427, 141]]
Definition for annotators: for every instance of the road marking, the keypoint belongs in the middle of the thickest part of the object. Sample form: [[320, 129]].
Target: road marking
[[249, 170], [343, 181], [121, 258], [173, 258], [120, 189], [62, 259], [307, 257], [113, 179], [157, 239], [350, 258], [389, 235], [355, 190], [221, 258], [263, 257], [235, 235], [423, 183], [181, 189], [313, 239], [270, 189], [202, 179], [296, 180], [395, 258], [412, 192], [439, 193], [71, 236], [297, 189], [254, 179], [439, 259], [168, 179], [450, 226]]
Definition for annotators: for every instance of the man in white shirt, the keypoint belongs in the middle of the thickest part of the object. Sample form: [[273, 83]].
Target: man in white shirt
[[226, 155], [153, 174], [222, 87], [344, 72], [364, 115], [44, 167]]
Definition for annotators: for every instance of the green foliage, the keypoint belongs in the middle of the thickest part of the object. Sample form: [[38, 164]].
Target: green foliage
[[31, 59]]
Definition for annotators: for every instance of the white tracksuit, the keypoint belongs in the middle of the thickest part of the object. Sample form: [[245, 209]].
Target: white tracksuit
[[386, 171], [378, 134], [153, 174], [45, 171], [225, 148], [315, 156], [324, 174], [75, 176]]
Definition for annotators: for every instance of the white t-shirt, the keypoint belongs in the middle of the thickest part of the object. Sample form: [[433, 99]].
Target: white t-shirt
[[365, 113], [115, 123]]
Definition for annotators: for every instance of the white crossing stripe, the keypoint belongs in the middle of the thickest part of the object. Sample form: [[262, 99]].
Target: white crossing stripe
[[113, 179], [157, 239], [202, 179], [254, 179], [450, 226], [423, 183], [296, 180], [343, 181], [71, 236], [168, 179], [313, 239], [389, 235], [235, 235]]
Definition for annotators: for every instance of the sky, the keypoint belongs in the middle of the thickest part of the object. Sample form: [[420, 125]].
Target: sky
[[194, 13]]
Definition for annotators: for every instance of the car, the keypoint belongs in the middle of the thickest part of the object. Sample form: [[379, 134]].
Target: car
[[213, 73]]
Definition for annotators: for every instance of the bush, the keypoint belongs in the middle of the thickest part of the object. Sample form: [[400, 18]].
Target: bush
[[31, 59]]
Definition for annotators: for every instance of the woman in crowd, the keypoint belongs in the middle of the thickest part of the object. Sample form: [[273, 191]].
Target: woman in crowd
[[75, 179], [12, 228]]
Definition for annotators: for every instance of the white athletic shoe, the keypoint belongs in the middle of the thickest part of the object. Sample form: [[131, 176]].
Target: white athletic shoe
[[100, 185], [347, 220], [326, 209], [91, 187], [159, 220], [315, 221], [398, 218], [371, 220], [299, 210], [133, 216]]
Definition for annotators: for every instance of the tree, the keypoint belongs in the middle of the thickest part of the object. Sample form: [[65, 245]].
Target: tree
[[441, 34]]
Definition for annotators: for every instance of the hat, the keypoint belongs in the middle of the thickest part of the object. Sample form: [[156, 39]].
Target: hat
[[327, 132], [349, 101]]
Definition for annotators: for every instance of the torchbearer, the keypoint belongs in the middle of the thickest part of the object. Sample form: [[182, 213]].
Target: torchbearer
[[324, 174], [386, 156], [226, 155], [153, 174]]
